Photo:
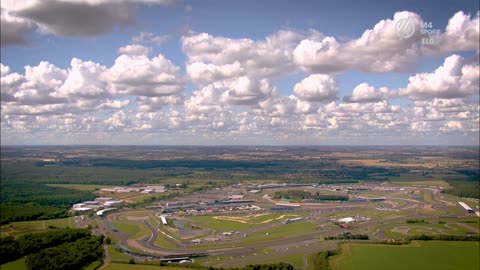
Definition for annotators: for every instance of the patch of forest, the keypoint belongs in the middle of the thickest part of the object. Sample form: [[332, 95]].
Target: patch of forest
[[64, 249], [21, 201]]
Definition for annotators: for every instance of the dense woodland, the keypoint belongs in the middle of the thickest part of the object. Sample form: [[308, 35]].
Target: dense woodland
[[36, 201], [67, 256], [59, 249]]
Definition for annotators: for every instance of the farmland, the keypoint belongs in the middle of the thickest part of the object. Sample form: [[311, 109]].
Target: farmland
[[418, 255], [19, 228]]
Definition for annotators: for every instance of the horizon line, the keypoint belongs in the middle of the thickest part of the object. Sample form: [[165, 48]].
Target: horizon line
[[231, 145]]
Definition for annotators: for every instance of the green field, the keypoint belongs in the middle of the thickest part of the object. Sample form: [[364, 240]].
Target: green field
[[137, 230], [259, 258], [237, 223], [161, 241], [93, 266], [116, 255], [418, 255], [295, 259], [410, 182], [282, 232], [15, 265], [23, 227], [122, 266], [433, 227]]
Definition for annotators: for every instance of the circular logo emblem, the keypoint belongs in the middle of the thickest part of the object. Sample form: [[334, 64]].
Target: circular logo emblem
[[404, 28]]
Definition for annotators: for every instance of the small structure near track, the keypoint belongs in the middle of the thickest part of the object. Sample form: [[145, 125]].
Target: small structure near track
[[466, 207]]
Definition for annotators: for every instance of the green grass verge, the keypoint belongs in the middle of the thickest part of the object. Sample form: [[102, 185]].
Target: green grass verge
[[93, 266], [161, 241], [123, 266], [112, 237], [117, 255], [432, 182], [294, 259]]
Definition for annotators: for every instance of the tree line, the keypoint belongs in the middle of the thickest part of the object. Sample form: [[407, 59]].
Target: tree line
[[305, 195]]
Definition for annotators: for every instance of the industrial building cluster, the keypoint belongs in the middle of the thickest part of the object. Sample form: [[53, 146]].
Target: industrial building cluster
[[200, 207], [96, 204], [147, 189]]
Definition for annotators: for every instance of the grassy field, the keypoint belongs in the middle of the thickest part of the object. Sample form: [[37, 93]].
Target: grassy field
[[161, 241], [93, 266], [432, 182], [282, 232], [295, 259], [143, 230], [237, 223], [137, 230], [23, 227], [122, 266], [116, 255], [125, 227], [125, 215], [21, 265], [15, 265], [433, 227], [112, 237], [418, 255]]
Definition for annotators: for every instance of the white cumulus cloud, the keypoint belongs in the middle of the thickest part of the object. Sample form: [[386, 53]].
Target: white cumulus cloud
[[317, 87], [454, 79]]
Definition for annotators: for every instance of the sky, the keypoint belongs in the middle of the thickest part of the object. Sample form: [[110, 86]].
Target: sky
[[179, 72]]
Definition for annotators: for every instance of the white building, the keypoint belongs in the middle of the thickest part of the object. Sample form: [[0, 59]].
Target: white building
[[91, 202], [108, 189], [346, 220], [164, 220], [78, 205], [103, 199], [466, 207], [197, 241], [155, 188], [112, 203], [82, 209], [102, 212]]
